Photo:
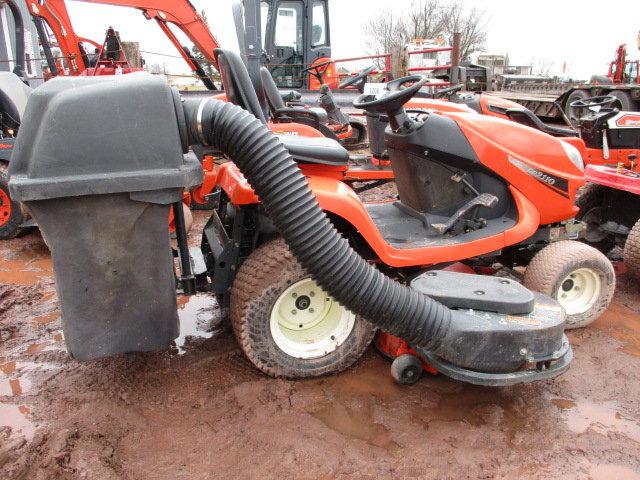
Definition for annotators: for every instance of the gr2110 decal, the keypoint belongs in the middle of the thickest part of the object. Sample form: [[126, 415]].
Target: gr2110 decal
[[557, 184]]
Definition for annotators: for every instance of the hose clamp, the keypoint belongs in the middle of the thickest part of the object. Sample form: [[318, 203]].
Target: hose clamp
[[199, 131]]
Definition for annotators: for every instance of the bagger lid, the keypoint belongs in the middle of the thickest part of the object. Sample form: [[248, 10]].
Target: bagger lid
[[70, 146]]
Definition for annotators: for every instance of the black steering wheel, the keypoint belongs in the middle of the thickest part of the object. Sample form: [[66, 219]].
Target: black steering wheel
[[445, 92], [358, 78], [591, 102], [315, 70], [394, 97]]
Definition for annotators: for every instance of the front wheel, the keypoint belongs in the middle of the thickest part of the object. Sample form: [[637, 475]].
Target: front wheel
[[574, 113], [592, 205], [286, 324], [578, 276], [632, 252]]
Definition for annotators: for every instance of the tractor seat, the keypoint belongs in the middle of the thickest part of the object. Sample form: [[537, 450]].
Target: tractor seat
[[321, 113], [319, 150]]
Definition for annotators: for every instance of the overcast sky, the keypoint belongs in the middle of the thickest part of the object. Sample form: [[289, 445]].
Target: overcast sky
[[582, 33]]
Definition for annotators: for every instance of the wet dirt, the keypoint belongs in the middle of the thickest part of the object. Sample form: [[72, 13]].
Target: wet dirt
[[200, 410]]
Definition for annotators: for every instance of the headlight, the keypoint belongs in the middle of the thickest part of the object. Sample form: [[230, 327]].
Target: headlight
[[574, 155]]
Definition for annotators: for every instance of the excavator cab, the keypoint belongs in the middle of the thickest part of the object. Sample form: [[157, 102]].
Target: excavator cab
[[295, 40]]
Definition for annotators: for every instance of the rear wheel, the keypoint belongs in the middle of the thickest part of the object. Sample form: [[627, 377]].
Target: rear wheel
[[632, 251], [286, 324], [574, 114], [578, 276], [591, 203], [11, 213], [623, 100]]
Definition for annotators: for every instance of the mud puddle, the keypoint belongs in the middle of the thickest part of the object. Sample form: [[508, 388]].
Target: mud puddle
[[356, 422], [15, 417], [26, 268], [623, 324], [198, 320], [602, 418], [14, 387], [612, 472]]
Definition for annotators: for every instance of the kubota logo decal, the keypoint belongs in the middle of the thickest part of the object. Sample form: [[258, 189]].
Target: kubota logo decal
[[557, 184], [284, 132], [628, 121]]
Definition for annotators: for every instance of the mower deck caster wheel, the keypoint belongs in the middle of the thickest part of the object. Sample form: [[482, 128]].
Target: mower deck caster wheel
[[578, 276], [406, 369]]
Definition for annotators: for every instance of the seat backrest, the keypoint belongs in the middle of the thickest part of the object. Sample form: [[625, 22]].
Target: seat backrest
[[271, 92], [13, 98], [237, 83]]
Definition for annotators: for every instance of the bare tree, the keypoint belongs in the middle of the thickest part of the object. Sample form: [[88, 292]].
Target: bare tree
[[471, 23], [384, 34], [388, 31], [157, 68], [425, 19], [542, 66]]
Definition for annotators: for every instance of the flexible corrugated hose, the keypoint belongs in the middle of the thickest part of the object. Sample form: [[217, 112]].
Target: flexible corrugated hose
[[317, 245]]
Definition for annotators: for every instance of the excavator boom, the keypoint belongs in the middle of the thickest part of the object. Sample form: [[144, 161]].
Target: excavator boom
[[54, 13], [181, 13]]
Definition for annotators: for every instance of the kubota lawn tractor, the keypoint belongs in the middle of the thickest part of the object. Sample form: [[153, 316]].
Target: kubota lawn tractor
[[505, 207], [310, 270]]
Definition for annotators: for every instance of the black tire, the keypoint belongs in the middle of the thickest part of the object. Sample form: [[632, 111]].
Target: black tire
[[632, 252], [574, 114], [551, 268], [263, 277], [591, 203], [406, 369], [359, 135], [12, 214], [624, 102]]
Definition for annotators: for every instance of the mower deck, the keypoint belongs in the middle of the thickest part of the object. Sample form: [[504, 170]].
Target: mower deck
[[562, 359]]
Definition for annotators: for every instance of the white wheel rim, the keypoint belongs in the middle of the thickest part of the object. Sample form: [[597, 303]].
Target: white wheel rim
[[307, 323], [579, 291]]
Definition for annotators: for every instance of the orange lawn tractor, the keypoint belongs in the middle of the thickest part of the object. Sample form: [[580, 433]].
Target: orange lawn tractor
[[472, 189], [308, 270]]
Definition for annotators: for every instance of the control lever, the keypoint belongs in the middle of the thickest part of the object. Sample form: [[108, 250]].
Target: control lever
[[482, 200], [427, 219]]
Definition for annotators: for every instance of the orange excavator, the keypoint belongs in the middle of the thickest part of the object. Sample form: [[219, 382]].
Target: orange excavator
[[182, 14]]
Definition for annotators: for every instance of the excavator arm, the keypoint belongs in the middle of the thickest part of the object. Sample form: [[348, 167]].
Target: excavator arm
[[54, 13], [181, 13]]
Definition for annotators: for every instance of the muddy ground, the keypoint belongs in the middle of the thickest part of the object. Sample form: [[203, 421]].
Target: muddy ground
[[201, 411]]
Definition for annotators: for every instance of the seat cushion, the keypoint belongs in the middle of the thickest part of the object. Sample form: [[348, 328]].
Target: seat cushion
[[320, 150]]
